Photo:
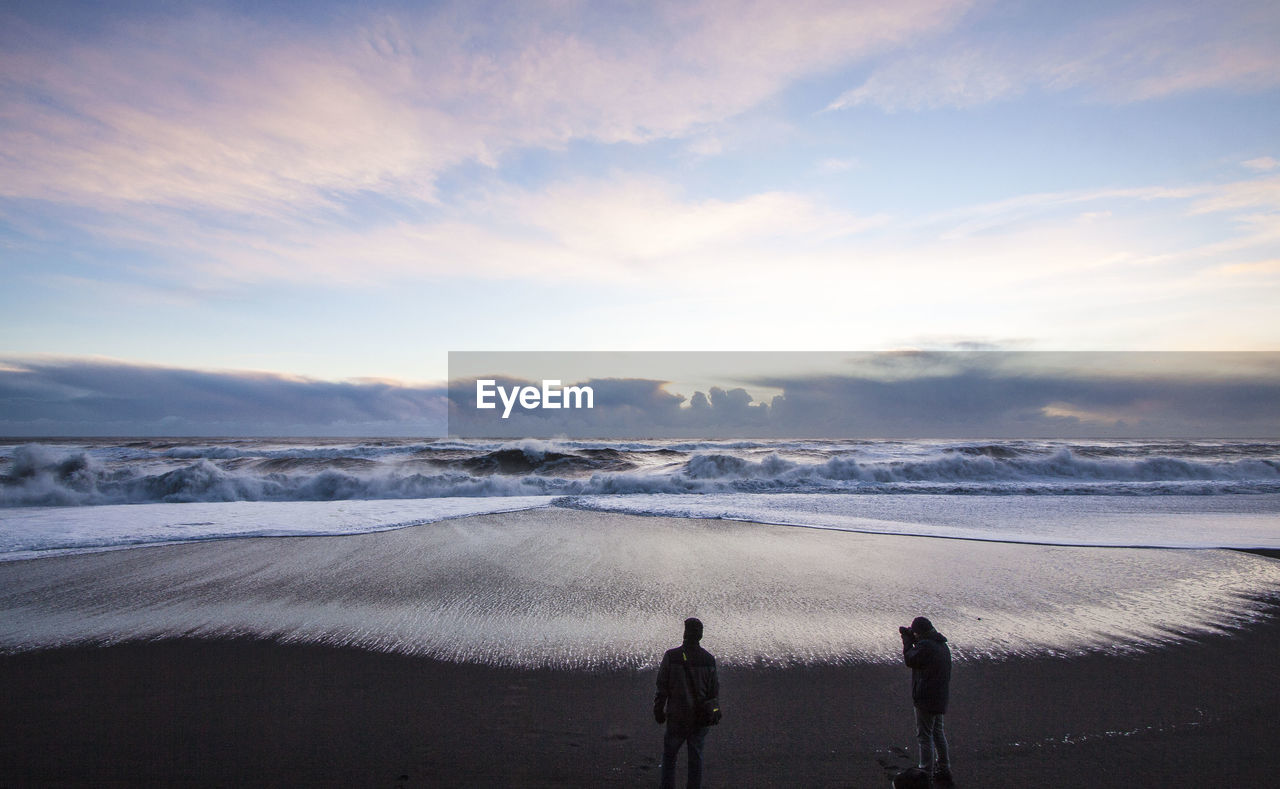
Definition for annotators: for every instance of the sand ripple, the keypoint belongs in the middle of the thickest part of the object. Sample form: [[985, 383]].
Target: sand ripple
[[581, 589]]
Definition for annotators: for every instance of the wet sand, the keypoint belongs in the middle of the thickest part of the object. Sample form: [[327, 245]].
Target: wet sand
[[818, 700], [227, 713], [558, 588]]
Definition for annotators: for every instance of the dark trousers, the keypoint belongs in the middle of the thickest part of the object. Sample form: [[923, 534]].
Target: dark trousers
[[932, 737], [671, 742]]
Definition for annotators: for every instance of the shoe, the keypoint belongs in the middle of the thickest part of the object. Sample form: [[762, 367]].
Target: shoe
[[942, 776]]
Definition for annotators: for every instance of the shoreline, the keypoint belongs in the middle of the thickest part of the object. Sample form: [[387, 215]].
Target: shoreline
[[567, 588], [55, 553], [123, 526], [198, 694], [242, 712], [1270, 553]]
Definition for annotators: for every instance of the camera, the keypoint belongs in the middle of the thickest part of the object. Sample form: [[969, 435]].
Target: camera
[[907, 633]]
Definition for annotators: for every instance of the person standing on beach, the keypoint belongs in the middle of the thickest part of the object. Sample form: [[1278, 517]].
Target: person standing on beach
[[687, 675], [925, 651]]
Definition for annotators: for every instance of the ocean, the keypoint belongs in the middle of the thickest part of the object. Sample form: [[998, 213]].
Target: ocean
[[71, 496]]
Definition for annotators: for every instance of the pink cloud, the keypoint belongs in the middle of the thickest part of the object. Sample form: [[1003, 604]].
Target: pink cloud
[[218, 111]]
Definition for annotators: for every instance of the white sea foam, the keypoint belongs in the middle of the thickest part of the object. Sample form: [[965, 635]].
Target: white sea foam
[[559, 588], [1170, 493], [30, 532], [1167, 521], [1159, 522]]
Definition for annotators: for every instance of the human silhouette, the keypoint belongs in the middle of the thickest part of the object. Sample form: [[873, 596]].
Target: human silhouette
[[925, 650], [687, 676]]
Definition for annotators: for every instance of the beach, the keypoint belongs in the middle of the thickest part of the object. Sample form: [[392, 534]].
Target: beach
[[224, 713], [519, 649], [387, 387]]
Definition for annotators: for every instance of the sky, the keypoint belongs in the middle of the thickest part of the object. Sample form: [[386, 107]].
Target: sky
[[331, 197], [904, 394]]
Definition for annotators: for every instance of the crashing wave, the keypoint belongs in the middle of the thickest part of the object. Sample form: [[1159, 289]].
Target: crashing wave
[[244, 470]]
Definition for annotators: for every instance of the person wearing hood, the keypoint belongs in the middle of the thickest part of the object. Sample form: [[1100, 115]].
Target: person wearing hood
[[925, 651], [686, 677]]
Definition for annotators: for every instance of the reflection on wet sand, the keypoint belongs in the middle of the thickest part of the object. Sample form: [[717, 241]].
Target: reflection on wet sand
[[581, 589]]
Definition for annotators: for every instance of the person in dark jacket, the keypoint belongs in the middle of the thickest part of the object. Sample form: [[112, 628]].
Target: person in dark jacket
[[674, 703], [925, 650]]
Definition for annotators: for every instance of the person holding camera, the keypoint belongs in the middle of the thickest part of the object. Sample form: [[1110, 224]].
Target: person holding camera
[[925, 651], [688, 702]]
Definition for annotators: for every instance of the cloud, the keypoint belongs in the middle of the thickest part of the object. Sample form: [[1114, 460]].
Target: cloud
[[832, 166], [208, 111], [626, 227], [928, 395], [630, 227], [984, 403], [1262, 163], [1251, 209], [203, 154], [220, 111], [963, 78], [646, 220], [914, 394], [1137, 53], [623, 408], [1249, 195], [76, 397], [778, 270], [1258, 268]]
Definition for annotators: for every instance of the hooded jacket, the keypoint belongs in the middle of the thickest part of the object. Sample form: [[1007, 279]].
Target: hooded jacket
[[930, 661], [673, 685]]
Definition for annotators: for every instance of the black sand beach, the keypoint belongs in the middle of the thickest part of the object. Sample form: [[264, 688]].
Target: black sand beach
[[234, 708], [227, 713]]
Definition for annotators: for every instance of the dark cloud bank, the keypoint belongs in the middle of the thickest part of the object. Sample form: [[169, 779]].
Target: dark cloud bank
[[929, 395], [86, 398], [915, 398]]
